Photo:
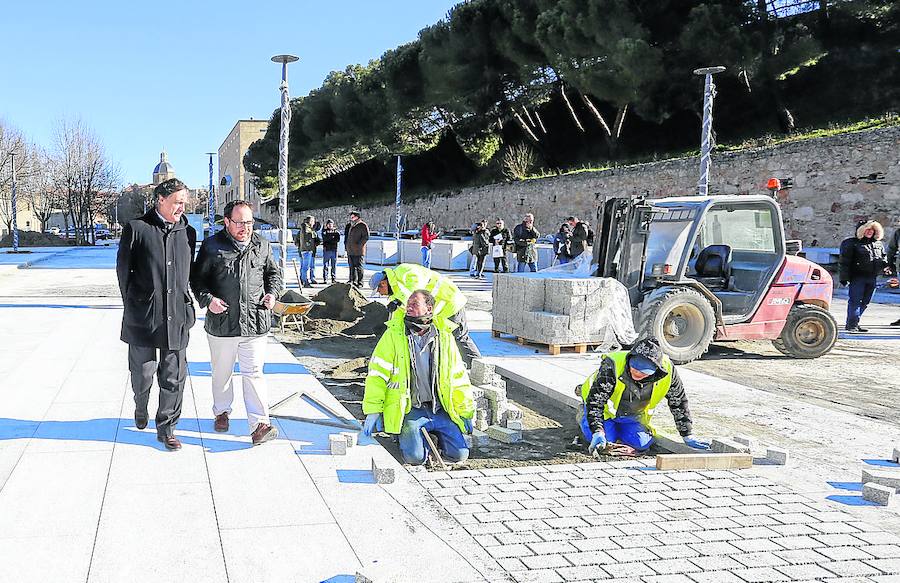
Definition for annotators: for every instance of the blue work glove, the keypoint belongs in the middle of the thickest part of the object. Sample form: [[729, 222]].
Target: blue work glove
[[695, 442], [374, 423], [467, 423], [597, 442]]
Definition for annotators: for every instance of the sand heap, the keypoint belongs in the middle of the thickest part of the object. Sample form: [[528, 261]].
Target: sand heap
[[345, 310]]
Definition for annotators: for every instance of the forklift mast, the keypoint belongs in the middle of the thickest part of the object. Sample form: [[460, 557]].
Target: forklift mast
[[620, 250]]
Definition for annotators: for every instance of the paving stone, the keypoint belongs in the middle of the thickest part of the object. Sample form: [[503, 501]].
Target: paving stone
[[722, 445], [628, 570], [777, 456], [882, 551], [756, 545], [582, 573], [550, 548], [512, 538], [531, 514], [716, 577], [635, 541], [507, 551], [835, 528], [498, 506], [525, 525], [545, 562], [844, 553], [568, 522], [594, 557], [594, 543], [850, 568], [559, 534], [879, 538], [545, 503], [512, 564], [801, 556], [881, 495], [679, 551], [760, 575], [674, 578], [763, 559], [886, 566], [716, 535], [895, 455], [799, 572], [637, 554], [889, 478], [481, 528], [673, 566], [712, 563], [715, 548], [836, 540], [567, 511], [538, 576], [793, 529], [798, 542], [518, 496]]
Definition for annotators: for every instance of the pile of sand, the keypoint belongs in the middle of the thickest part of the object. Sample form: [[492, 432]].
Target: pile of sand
[[345, 311]]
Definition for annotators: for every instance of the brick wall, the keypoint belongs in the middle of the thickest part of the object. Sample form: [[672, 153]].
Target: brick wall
[[833, 183]]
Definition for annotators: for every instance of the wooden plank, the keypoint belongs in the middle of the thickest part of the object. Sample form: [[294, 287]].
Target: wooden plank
[[521, 340], [495, 333], [554, 349], [581, 348], [704, 461]]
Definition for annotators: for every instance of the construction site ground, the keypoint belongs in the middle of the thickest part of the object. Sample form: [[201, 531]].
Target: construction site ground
[[84, 496]]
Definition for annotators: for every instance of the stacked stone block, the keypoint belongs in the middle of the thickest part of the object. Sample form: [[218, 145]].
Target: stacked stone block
[[551, 310], [492, 409]]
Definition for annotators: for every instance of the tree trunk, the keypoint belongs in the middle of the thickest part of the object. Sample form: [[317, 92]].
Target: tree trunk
[[525, 127], [590, 106], [562, 91]]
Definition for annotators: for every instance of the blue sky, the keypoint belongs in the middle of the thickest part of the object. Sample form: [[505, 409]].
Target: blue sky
[[148, 76]]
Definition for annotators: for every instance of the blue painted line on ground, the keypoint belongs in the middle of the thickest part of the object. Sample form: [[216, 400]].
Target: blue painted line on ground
[[882, 463], [204, 369], [851, 486], [850, 500], [62, 306]]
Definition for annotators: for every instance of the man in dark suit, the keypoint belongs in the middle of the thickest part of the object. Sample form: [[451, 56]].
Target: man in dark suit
[[153, 265]]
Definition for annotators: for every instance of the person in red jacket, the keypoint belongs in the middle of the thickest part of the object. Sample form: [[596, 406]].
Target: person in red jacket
[[429, 234]]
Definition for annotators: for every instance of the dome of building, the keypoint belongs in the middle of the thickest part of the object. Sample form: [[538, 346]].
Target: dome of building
[[163, 171]]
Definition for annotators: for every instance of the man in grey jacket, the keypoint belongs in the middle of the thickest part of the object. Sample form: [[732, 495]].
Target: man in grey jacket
[[236, 278]]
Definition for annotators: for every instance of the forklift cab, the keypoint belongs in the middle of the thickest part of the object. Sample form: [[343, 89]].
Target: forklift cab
[[732, 245]]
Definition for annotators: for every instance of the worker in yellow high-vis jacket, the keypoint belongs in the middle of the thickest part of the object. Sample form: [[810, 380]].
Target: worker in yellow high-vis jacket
[[416, 381], [620, 397], [400, 281]]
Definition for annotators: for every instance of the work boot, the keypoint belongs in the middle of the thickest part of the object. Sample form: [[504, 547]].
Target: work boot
[[222, 422], [141, 419], [895, 323], [263, 433], [861, 329], [170, 441]]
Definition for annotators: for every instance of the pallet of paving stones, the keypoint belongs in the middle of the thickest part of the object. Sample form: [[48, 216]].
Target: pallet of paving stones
[[553, 349]]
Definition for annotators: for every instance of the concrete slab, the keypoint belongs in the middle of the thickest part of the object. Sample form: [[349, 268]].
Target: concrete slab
[[46, 558]]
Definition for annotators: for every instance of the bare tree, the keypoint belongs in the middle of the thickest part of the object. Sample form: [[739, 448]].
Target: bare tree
[[40, 190], [12, 143], [85, 176]]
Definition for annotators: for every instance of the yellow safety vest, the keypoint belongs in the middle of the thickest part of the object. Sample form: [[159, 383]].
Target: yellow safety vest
[[409, 277], [660, 389]]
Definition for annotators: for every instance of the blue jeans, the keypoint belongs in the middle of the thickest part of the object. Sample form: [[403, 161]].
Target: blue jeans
[[521, 267], [329, 258], [861, 290], [426, 257], [306, 267], [627, 430], [450, 438]]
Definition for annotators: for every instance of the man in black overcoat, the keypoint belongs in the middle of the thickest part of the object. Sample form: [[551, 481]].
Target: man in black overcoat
[[153, 265]]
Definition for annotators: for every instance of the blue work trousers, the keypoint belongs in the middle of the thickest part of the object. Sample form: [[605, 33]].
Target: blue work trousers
[[861, 291], [450, 438], [627, 430]]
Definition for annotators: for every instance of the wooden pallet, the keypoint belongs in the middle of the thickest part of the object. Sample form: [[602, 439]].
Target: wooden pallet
[[580, 347]]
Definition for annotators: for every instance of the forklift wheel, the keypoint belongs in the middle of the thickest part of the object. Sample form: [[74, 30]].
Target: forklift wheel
[[683, 321], [809, 332]]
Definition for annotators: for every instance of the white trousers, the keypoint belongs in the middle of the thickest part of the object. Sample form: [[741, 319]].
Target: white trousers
[[250, 353]]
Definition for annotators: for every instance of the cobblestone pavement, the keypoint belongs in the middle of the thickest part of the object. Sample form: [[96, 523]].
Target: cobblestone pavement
[[626, 521]]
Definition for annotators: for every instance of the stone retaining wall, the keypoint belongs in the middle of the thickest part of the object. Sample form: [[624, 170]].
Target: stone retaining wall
[[832, 183]]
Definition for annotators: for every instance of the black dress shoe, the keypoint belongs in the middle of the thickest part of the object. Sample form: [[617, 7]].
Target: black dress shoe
[[170, 441], [895, 323], [140, 421]]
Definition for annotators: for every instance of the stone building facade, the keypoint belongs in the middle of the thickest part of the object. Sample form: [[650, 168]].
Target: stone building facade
[[829, 185], [235, 183]]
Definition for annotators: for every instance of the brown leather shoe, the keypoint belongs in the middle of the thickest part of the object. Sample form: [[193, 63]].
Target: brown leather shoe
[[170, 441], [263, 433], [222, 422]]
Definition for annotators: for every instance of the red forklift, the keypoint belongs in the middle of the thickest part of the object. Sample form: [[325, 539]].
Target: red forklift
[[705, 268]]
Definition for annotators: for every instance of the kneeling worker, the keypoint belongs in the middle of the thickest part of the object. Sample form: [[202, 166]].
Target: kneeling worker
[[399, 282], [620, 397], [417, 381]]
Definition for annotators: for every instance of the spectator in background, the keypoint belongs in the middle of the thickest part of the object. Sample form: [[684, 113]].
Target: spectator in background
[[579, 238], [525, 237], [500, 240], [306, 245], [893, 257], [429, 234], [330, 239], [862, 260], [562, 242], [480, 248], [356, 234]]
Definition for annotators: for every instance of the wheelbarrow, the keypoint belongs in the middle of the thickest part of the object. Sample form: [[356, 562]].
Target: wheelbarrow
[[292, 315]]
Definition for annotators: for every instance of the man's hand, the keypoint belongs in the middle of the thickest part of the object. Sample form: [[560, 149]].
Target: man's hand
[[374, 423], [888, 271], [217, 306], [269, 301], [597, 442], [392, 305], [695, 442], [467, 423]]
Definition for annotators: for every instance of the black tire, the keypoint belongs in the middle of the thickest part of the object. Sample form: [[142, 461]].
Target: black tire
[[683, 321], [809, 332]]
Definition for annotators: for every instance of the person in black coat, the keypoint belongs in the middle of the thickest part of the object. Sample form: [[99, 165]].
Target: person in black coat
[[861, 261], [153, 266]]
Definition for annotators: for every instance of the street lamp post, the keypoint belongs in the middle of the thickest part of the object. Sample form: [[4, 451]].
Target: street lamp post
[[211, 202], [283, 153], [709, 93], [14, 230]]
